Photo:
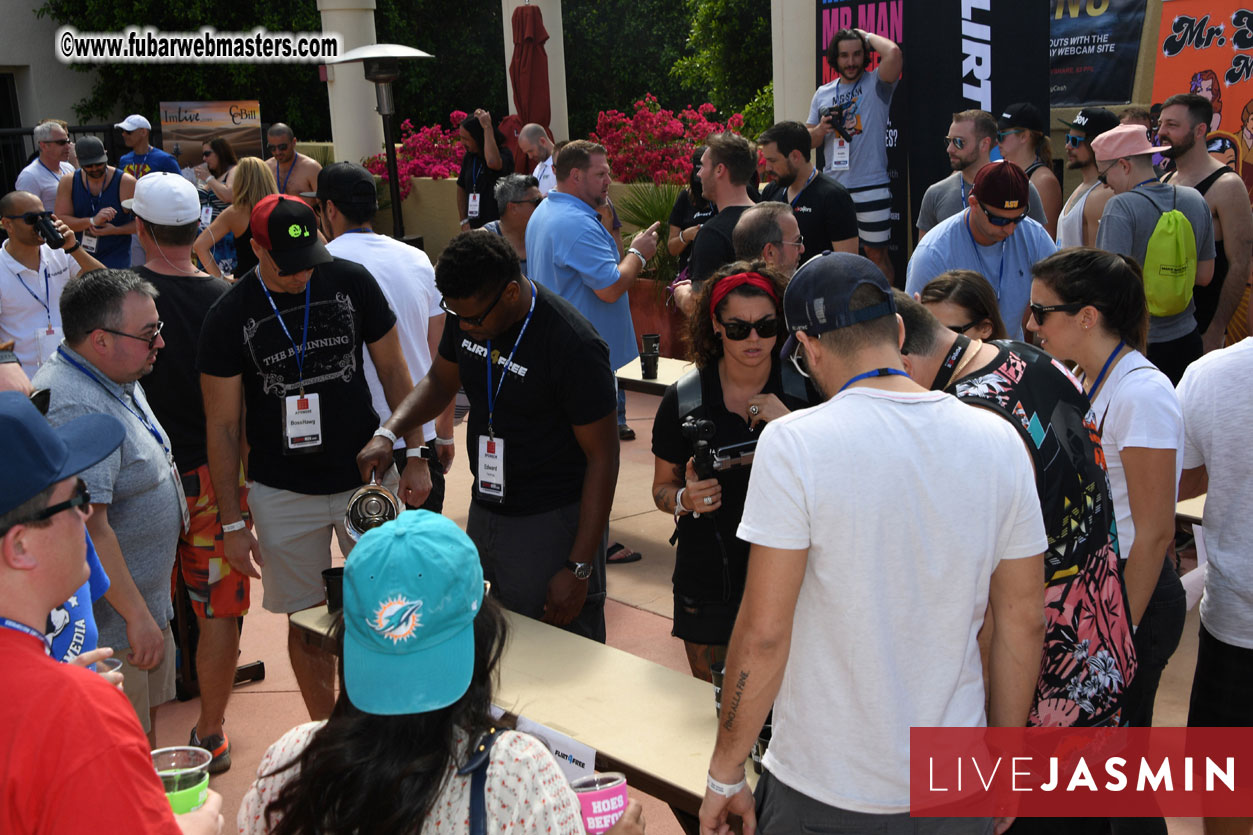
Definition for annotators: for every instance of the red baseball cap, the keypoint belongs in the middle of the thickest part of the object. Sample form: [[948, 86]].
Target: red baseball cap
[[285, 227]]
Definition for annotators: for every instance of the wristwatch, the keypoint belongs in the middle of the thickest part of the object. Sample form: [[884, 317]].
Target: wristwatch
[[582, 570]]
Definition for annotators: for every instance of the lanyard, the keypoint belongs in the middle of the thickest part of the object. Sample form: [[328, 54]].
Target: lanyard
[[504, 372], [46, 301], [56, 174], [1145, 182], [878, 372], [1000, 276], [139, 164], [949, 367], [362, 230], [962, 180], [812, 173], [1104, 368], [35, 633], [282, 188], [142, 418], [94, 200], [304, 339], [474, 174]]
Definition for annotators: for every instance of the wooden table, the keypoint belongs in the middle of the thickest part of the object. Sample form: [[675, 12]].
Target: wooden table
[[655, 725], [631, 375], [1191, 510]]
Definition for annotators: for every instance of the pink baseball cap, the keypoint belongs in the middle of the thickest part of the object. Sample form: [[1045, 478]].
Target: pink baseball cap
[[1124, 141]]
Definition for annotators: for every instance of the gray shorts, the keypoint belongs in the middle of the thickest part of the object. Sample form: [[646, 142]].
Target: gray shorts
[[148, 689], [520, 554]]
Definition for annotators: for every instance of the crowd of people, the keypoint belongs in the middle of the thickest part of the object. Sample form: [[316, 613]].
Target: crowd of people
[[224, 354]]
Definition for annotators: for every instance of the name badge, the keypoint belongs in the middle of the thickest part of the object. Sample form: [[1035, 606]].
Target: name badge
[[46, 342], [90, 242], [491, 468], [839, 155], [302, 424], [206, 215], [472, 209]]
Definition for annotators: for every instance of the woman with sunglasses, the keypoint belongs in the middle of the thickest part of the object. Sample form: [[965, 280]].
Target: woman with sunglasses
[[252, 180], [738, 386], [1088, 306], [964, 302], [1023, 141], [213, 184]]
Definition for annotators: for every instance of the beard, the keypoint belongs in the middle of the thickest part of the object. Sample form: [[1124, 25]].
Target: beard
[[1174, 151], [1076, 165], [785, 180]]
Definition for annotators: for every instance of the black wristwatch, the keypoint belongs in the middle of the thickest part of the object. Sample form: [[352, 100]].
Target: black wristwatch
[[582, 570]]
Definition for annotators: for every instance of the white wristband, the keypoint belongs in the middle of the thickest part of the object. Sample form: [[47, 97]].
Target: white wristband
[[679, 509], [231, 527], [725, 789], [384, 432], [444, 441], [638, 255]]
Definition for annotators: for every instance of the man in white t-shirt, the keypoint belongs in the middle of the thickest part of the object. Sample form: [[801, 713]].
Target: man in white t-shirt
[[44, 173], [1217, 406], [534, 142], [864, 596], [348, 198]]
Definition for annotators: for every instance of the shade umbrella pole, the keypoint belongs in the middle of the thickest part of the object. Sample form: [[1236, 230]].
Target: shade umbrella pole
[[386, 109]]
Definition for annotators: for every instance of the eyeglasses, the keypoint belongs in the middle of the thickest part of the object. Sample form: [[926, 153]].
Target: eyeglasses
[[55, 142], [1100, 175], [477, 321], [736, 330], [151, 340], [281, 147], [1073, 141], [80, 498], [534, 201], [86, 165], [964, 328], [31, 218], [1039, 311], [800, 242], [996, 220], [957, 142], [1001, 134], [798, 359]]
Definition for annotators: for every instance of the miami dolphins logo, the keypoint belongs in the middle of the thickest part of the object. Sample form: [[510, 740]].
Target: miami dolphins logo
[[397, 619]]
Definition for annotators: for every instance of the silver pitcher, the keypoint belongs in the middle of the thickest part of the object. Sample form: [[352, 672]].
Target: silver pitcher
[[372, 505]]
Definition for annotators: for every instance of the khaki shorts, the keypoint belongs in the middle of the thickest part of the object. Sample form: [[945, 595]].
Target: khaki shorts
[[147, 689]]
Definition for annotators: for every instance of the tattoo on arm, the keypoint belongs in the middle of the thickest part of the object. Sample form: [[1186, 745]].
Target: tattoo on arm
[[734, 706], [660, 498]]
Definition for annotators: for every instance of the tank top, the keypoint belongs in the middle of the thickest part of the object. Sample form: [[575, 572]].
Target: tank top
[[1206, 298], [113, 251], [1070, 224], [245, 258]]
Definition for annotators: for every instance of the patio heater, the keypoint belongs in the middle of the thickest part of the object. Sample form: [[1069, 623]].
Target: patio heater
[[382, 66]]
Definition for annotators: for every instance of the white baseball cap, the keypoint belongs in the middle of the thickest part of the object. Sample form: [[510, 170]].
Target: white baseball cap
[[165, 198], [134, 122]]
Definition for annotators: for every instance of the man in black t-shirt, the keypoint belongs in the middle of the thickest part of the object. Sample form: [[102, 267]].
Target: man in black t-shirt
[[824, 210], [542, 435], [285, 342], [167, 211]]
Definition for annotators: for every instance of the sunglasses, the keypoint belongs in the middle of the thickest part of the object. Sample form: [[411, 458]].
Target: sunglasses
[[957, 142], [996, 220], [151, 340], [1100, 175], [1039, 311], [124, 130], [1001, 134], [31, 218], [737, 331], [55, 142], [206, 154], [964, 328], [1073, 141], [282, 147], [797, 358], [534, 201], [80, 498], [477, 321]]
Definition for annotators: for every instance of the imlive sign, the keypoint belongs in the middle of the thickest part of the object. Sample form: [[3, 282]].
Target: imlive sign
[[976, 55]]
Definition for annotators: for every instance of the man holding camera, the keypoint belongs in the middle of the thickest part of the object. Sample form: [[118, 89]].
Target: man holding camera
[[847, 118], [32, 275]]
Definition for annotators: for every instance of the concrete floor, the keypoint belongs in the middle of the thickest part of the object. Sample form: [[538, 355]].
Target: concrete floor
[[638, 621]]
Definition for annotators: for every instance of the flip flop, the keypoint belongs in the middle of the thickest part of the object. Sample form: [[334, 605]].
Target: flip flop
[[619, 553]]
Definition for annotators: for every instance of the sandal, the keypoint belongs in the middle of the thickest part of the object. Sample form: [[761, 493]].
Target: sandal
[[619, 554]]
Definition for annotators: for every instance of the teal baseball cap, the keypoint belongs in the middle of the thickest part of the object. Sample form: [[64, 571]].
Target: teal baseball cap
[[412, 588]]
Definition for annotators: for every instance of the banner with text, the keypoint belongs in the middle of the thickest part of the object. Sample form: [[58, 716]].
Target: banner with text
[[186, 125], [1093, 49]]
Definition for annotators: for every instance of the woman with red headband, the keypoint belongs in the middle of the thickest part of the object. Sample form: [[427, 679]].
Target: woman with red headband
[[738, 386]]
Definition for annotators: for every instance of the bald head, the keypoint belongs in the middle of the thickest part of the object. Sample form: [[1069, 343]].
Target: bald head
[[534, 142]]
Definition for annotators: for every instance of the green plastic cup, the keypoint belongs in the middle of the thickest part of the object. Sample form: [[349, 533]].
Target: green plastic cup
[[184, 775]]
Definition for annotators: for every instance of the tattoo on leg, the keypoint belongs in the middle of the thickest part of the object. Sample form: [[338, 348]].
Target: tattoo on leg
[[734, 707]]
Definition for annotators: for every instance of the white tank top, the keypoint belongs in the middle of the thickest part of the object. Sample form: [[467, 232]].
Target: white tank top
[[1070, 224]]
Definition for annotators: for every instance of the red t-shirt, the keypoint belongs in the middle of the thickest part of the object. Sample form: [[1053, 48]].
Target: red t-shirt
[[73, 757]]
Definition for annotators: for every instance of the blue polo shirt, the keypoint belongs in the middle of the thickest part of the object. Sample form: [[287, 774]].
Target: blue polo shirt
[[569, 251]]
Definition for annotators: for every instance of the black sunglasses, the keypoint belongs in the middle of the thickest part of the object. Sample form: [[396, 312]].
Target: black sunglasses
[[206, 154], [534, 201], [151, 340], [1039, 311], [477, 321], [283, 147], [798, 359], [80, 498], [964, 328], [31, 218], [1073, 141], [956, 141], [57, 141], [996, 220], [736, 330]]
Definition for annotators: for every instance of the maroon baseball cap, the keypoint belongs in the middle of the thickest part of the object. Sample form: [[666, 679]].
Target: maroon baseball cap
[[998, 185], [285, 227]]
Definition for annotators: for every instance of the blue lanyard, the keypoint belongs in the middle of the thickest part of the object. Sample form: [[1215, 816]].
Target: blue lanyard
[[878, 372], [46, 301], [304, 339], [282, 188], [142, 418], [21, 627], [1000, 276], [1104, 368], [962, 180], [93, 200], [1144, 182], [56, 174], [139, 165], [474, 174], [812, 173], [504, 372], [363, 230]]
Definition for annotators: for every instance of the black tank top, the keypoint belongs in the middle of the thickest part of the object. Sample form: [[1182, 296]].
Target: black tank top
[[245, 259], [1206, 298]]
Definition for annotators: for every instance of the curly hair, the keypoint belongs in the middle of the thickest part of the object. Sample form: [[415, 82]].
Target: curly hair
[[704, 347]]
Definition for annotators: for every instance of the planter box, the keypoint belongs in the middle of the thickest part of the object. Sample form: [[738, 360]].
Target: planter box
[[430, 210]]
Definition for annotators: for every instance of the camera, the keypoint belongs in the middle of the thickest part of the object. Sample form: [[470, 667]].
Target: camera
[[836, 114], [43, 225], [706, 460]]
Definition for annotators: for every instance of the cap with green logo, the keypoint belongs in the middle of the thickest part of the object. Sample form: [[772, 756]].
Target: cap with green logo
[[286, 228]]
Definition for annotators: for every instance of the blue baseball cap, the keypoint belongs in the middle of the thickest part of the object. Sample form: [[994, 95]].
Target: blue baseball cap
[[37, 455], [412, 588]]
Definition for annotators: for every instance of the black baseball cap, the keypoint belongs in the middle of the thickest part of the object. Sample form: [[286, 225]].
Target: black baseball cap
[[818, 296], [1021, 114], [285, 227], [346, 183], [1093, 121]]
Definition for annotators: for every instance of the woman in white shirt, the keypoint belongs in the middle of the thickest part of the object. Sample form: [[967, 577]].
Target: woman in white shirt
[[1088, 306]]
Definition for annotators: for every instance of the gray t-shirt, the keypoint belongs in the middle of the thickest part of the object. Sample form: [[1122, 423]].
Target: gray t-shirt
[[136, 481], [1128, 223], [944, 199], [866, 102]]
